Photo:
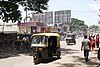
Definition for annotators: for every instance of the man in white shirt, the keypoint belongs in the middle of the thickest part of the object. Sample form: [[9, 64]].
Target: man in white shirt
[[86, 47]]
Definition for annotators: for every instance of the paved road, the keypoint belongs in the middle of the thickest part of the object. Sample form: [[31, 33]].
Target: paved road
[[71, 56]]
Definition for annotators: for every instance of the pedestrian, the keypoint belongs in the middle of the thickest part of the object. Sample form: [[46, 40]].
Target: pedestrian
[[94, 42], [97, 40], [93, 45], [91, 42], [85, 46], [98, 56]]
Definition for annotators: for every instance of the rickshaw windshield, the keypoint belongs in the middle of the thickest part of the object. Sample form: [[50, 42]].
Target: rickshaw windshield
[[39, 40]]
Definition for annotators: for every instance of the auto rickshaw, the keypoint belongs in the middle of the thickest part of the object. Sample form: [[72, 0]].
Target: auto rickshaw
[[45, 45], [70, 38]]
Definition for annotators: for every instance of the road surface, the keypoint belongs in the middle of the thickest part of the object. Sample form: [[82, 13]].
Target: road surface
[[71, 56]]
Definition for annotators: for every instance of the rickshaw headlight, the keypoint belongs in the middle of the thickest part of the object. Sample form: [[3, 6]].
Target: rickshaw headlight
[[40, 49]]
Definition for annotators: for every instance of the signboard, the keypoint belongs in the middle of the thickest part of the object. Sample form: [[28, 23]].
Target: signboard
[[26, 24]]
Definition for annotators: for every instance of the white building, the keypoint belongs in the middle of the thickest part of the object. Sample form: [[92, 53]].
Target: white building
[[9, 28]]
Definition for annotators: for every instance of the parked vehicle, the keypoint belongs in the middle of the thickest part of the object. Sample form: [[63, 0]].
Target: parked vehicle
[[45, 45], [70, 38], [23, 42]]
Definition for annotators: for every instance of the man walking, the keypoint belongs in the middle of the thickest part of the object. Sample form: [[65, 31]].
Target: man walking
[[85, 46]]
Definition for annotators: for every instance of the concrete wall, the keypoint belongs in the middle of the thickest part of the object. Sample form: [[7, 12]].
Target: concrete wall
[[9, 28]]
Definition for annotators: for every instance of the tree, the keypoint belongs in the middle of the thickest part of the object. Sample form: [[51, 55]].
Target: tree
[[9, 8], [35, 5], [98, 22], [93, 27], [77, 24]]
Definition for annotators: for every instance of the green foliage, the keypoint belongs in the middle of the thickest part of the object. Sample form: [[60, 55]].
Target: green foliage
[[35, 5], [77, 24], [9, 9], [94, 27], [99, 22]]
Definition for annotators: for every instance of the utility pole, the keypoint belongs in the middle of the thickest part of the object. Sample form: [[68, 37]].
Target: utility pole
[[3, 27], [26, 16]]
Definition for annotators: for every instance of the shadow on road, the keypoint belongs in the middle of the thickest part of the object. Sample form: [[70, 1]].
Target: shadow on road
[[89, 63], [63, 52], [7, 54], [49, 60], [68, 51], [66, 64], [79, 62]]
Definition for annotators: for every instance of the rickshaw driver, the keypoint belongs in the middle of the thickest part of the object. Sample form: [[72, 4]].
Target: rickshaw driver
[[50, 48], [39, 40]]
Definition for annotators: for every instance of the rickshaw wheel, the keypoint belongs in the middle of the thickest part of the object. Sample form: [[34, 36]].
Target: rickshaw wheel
[[36, 60], [75, 42], [58, 54]]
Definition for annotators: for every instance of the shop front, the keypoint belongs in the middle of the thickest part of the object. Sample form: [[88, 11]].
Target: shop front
[[30, 27]]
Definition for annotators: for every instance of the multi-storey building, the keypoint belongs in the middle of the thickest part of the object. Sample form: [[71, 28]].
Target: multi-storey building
[[49, 18], [60, 19], [63, 18], [46, 18]]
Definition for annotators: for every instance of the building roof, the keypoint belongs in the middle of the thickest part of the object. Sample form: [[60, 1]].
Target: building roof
[[47, 34], [9, 29], [31, 24], [7, 32]]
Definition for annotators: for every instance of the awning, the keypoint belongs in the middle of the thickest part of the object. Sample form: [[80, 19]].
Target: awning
[[8, 32]]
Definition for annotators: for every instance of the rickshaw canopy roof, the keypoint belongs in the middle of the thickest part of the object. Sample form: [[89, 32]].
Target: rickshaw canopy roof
[[71, 34], [47, 34]]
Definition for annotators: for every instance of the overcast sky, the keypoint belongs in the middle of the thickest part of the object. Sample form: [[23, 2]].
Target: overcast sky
[[86, 10]]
